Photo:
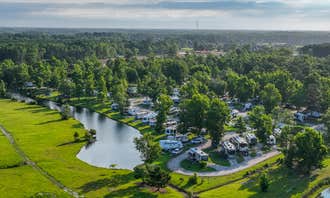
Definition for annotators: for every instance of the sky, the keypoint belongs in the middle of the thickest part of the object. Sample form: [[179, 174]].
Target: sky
[[168, 14]]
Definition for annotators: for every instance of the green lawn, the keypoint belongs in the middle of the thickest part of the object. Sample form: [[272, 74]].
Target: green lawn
[[19, 180], [217, 158], [284, 183], [8, 156], [40, 132], [195, 166]]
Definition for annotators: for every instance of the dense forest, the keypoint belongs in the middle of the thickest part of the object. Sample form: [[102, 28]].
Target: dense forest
[[71, 63], [319, 50]]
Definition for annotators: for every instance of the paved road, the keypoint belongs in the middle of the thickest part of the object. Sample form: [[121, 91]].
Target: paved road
[[174, 163], [35, 166]]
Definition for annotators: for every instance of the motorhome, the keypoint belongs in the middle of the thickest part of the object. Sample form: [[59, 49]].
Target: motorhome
[[251, 138], [240, 144], [170, 130], [167, 145], [229, 148], [197, 154]]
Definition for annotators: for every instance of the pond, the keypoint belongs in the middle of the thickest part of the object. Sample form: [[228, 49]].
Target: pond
[[114, 140], [325, 193]]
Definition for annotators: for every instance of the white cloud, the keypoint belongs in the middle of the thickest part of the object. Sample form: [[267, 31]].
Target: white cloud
[[129, 13]]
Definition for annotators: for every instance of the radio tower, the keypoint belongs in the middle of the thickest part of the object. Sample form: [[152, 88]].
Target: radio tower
[[197, 25]]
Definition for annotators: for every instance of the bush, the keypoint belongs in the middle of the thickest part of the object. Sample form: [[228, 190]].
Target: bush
[[264, 182], [193, 179], [203, 164], [65, 113], [139, 172], [76, 136]]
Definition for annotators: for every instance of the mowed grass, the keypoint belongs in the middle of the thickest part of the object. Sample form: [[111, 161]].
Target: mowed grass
[[40, 132], [283, 183], [19, 180], [24, 181], [8, 156]]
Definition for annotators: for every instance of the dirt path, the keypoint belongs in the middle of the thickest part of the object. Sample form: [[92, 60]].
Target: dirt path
[[174, 164], [35, 166]]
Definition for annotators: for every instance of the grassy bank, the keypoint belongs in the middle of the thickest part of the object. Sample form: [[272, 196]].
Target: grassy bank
[[284, 183], [40, 132]]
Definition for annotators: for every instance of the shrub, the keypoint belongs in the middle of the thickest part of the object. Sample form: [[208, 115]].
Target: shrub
[[264, 182], [193, 179], [203, 164], [76, 136]]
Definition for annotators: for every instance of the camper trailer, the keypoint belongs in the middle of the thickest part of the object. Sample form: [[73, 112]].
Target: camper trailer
[[167, 145], [251, 138], [240, 144], [170, 130], [229, 148], [197, 154]]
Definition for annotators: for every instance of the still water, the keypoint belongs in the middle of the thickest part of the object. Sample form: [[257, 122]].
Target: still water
[[114, 141], [325, 193]]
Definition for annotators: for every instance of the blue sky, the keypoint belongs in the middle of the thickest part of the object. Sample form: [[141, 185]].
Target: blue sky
[[170, 14]]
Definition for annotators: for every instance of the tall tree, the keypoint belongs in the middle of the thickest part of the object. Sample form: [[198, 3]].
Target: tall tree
[[102, 89], [194, 111], [163, 106], [306, 150], [246, 88], [148, 147], [261, 122], [89, 84], [2, 88], [216, 118], [270, 97], [326, 121]]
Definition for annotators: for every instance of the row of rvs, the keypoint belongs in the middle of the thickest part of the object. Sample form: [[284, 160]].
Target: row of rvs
[[241, 144]]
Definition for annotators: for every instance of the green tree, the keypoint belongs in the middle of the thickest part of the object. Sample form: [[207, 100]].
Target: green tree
[[306, 150], [240, 125], [78, 80], [163, 106], [326, 121], [148, 148], [194, 111], [270, 97], [264, 182], [65, 113], [119, 91], [245, 89], [216, 118], [156, 176], [2, 89], [89, 84], [102, 89], [261, 122]]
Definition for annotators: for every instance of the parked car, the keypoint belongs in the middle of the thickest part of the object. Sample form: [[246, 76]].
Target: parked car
[[197, 140], [176, 151]]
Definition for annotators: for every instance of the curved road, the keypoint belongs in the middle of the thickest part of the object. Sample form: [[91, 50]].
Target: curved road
[[35, 166], [174, 163]]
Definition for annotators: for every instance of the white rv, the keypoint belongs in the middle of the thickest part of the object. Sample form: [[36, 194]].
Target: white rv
[[170, 144]]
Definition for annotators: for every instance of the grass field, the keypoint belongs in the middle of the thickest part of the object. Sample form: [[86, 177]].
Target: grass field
[[8, 156], [14, 175], [39, 132], [284, 183]]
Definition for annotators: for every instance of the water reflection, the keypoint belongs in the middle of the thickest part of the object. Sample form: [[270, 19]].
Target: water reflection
[[114, 143]]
